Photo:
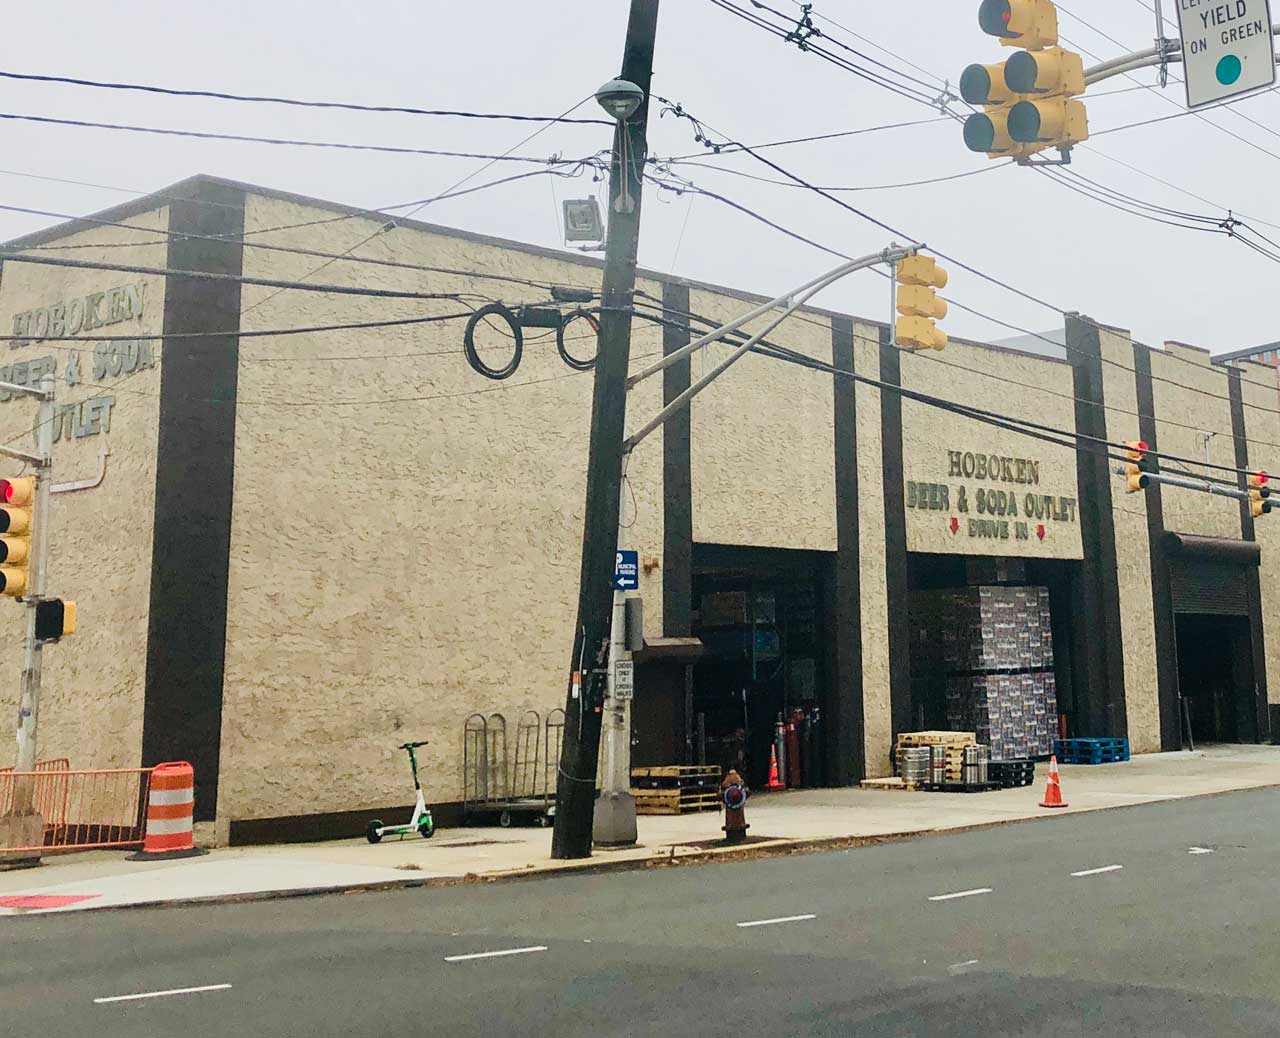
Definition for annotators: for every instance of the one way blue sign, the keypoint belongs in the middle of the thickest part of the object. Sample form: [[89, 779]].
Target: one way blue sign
[[626, 571]]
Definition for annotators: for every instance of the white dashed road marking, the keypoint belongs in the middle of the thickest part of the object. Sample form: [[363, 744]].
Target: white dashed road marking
[[495, 954], [962, 893], [161, 994], [1199, 850], [1098, 872], [780, 919]]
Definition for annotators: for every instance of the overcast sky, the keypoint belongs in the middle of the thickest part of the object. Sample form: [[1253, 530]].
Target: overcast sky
[[539, 58]]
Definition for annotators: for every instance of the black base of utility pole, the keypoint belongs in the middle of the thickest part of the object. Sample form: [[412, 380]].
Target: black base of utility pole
[[576, 783]]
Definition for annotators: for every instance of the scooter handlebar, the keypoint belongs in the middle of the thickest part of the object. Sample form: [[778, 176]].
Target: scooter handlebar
[[413, 745]]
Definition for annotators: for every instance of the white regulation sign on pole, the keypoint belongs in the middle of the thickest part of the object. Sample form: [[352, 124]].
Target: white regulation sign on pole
[[1227, 49]]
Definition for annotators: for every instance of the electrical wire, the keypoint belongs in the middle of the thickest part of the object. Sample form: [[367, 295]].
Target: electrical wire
[[903, 90], [189, 235], [739, 337], [13, 256], [295, 102], [286, 141], [730, 149], [863, 187], [700, 132]]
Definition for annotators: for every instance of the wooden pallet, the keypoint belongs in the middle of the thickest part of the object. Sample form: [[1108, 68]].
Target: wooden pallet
[[673, 801], [937, 738], [894, 783], [677, 771]]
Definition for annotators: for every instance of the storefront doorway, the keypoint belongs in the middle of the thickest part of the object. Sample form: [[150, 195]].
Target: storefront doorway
[[760, 616]]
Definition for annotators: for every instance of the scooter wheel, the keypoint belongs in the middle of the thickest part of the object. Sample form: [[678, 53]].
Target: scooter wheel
[[427, 830], [371, 832]]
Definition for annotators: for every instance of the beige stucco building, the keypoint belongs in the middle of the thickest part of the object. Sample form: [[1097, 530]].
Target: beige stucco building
[[307, 548]]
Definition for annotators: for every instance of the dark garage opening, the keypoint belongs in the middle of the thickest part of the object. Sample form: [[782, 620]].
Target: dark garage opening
[[1215, 674]]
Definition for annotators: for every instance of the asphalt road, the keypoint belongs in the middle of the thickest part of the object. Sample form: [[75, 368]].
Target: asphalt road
[[1179, 940]]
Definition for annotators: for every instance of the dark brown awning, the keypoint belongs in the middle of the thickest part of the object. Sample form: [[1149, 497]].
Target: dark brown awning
[[1212, 549]]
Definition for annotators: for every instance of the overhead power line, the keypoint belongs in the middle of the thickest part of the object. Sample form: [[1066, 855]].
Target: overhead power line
[[350, 106], [13, 256], [285, 141], [961, 306]]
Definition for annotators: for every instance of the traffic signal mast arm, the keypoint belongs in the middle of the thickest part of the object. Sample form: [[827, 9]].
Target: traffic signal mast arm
[[12, 452], [1205, 486], [1170, 52], [790, 302]]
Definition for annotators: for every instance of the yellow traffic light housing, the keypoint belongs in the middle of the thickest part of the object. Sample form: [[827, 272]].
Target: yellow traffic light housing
[[1052, 71], [1137, 467], [989, 132], [1028, 105], [55, 619], [1031, 24], [985, 85], [918, 304], [1258, 494], [1055, 121], [17, 496]]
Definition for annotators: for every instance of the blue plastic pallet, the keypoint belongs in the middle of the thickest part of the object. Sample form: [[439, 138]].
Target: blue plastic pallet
[[1091, 751]]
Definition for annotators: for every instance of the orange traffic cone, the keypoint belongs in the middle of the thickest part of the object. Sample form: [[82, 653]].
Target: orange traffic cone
[[1053, 791], [774, 781]]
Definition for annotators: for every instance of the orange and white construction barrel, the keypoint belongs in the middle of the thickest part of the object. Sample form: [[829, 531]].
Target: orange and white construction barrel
[[170, 813]]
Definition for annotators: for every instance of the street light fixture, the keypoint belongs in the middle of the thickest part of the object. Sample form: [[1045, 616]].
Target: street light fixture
[[620, 98]]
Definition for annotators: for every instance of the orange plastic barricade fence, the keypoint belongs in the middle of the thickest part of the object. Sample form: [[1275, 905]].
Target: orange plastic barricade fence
[[82, 810]]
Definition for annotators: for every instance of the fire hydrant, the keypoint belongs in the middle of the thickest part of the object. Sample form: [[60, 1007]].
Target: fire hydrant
[[734, 795]]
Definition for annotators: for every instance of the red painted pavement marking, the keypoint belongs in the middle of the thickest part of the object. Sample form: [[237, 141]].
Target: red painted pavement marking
[[44, 900]]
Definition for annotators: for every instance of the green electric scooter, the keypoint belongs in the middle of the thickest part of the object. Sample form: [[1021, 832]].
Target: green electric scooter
[[420, 823]]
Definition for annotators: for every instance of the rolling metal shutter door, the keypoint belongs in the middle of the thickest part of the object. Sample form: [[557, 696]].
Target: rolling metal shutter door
[[1217, 588]]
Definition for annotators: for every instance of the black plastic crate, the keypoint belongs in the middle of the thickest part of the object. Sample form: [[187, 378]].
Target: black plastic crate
[[1012, 773]]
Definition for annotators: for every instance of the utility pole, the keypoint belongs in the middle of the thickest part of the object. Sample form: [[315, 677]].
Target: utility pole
[[29, 689], [579, 756]]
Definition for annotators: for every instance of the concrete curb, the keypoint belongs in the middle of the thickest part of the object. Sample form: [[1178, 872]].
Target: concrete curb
[[593, 866]]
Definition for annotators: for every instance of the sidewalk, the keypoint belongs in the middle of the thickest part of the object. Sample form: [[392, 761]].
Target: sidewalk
[[780, 821]]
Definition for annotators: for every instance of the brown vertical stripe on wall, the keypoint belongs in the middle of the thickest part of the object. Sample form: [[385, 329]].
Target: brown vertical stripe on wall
[[677, 481], [1251, 574], [1100, 702], [895, 539], [845, 749], [1161, 591], [186, 636]]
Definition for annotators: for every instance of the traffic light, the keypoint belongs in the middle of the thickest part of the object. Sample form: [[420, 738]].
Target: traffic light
[[55, 619], [1028, 101], [1258, 494], [17, 496], [918, 304], [1032, 24], [1138, 466]]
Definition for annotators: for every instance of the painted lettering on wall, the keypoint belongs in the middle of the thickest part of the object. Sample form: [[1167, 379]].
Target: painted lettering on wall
[[83, 314], [986, 510]]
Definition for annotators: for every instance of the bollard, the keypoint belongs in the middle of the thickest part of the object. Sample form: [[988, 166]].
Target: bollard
[[734, 796]]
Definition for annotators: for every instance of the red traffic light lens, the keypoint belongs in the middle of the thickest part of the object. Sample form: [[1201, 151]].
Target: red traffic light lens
[[1005, 15], [6, 490], [1142, 445], [1262, 477]]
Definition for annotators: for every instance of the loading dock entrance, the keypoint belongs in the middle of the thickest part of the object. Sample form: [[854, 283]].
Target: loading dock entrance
[[1218, 630]]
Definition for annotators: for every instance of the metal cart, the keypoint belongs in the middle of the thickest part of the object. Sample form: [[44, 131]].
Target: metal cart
[[528, 791]]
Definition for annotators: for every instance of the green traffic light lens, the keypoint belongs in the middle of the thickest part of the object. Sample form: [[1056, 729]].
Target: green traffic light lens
[[975, 85], [1024, 122], [1020, 72], [993, 18], [979, 133]]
